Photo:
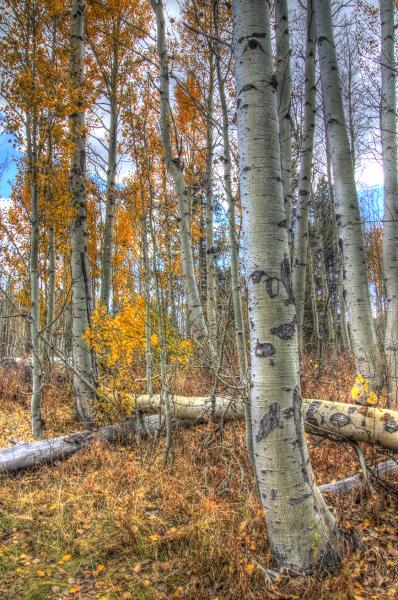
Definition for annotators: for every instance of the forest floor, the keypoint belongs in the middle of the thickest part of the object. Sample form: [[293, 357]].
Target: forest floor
[[113, 522]]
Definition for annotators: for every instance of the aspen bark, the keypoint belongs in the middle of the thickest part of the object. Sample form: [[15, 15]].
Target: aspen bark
[[52, 267], [367, 424], [31, 137], [348, 218], [81, 296], [390, 166], [196, 315], [305, 177], [211, 272], [108, 243], [284, 85], [233, 242], [301, 529]]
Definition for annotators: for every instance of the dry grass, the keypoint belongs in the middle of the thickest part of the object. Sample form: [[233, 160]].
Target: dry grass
[[112, 522]]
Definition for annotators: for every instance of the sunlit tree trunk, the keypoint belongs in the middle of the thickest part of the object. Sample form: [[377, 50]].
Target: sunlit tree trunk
[[300, 527], [196, 317], [390, 165], [81, 291], [232, 241], [283, 88], [351, 236], [305, 177]]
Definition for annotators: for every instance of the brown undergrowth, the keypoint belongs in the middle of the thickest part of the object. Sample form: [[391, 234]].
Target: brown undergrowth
[[113, 522]]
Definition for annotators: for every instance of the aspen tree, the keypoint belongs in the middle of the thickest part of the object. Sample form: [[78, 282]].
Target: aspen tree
[[232, 240], [305, 177], [196, 315], [390, 166], [81, 291], [283, 88], [301, 529], [348, 218]]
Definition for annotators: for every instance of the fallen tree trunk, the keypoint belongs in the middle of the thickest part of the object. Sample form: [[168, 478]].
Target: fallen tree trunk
[[355, 423], [24, 455], [349, 484], [376, 426]]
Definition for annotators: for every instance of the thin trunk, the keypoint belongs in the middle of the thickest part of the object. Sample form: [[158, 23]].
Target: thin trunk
[[108, 242], [300, 527], [211, 274], [31, 137], [348, 218], [196, 316], [81, 292], [148, 328], [283, 88], [52, 265], [233, 243], [305, 177], [389, 150]]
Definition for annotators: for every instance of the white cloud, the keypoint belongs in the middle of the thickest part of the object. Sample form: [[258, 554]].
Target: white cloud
[[370, 173]]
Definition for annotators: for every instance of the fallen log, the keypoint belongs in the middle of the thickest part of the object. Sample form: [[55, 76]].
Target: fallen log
[[349, 484], [24, 455], [372, 425], [355, 423]]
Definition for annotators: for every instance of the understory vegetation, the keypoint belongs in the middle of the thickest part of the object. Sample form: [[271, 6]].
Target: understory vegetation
[[113, 522]]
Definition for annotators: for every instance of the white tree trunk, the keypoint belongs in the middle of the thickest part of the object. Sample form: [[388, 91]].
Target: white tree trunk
[[81, 297], [305, 177], [211, 273], [107, 242], [351, 236], [390, 166], [375, 426], [300, 527], [52, 272], [31, 139], [196, 315], [233, 243], [284, 84]]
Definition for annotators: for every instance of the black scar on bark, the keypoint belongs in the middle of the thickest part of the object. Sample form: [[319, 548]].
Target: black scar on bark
[[287, 280], [340, 419], [272, 286], [310, 414], [391, 426], [299, 500], [274, 494], [247, 88], [288, 412], [269, 421], [283, 223], [256, 276], [297, 402], [285, 331], [264, 349]]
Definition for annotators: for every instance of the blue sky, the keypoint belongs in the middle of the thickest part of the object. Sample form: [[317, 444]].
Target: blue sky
[[8, 169]]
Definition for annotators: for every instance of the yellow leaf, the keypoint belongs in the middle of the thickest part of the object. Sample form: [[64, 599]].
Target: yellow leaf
[[154, 538], [54, 506], [249, 568], [41, 573], [66, 557], [73, 590], [100, 568]]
